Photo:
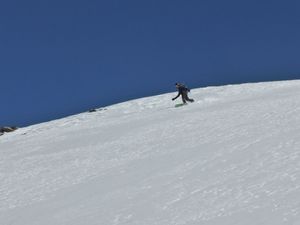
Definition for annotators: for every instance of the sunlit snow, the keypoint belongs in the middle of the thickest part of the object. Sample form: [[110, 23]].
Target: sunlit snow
[[231, 157]]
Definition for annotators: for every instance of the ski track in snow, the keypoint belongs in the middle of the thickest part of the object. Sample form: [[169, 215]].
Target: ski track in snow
[[231, 157]]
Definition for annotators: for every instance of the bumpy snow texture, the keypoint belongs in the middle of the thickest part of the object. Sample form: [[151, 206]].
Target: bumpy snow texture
[[231, 157]]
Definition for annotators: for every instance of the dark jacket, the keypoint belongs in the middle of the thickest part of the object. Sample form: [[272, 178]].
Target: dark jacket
[[182, 90]]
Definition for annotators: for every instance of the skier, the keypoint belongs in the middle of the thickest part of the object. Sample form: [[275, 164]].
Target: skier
[[183, 91]]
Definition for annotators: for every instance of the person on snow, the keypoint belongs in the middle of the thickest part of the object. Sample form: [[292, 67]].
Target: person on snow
[[183, 91]]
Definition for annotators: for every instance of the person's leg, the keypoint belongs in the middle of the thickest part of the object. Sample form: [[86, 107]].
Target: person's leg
[[186, 98], [183, 98], [190, 99]]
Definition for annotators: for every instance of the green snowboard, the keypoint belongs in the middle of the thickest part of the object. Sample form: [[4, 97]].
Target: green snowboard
[[180, 104]]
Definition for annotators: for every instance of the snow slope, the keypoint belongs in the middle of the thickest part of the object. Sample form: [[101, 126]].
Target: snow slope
[[231, 157]]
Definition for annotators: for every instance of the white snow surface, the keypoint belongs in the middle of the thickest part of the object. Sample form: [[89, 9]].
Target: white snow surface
[[231, 157]]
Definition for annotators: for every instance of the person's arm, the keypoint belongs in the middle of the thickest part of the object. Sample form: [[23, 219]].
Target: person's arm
[[176, 96]]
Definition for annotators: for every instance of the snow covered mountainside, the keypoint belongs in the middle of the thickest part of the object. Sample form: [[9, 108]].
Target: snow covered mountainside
[[231, 157]]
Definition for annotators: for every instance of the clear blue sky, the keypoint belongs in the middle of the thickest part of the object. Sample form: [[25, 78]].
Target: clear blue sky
[[60, 57]]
